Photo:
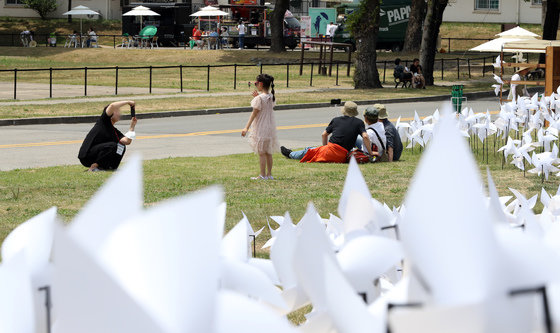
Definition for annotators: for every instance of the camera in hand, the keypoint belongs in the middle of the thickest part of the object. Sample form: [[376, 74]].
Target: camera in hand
[[133, 111]]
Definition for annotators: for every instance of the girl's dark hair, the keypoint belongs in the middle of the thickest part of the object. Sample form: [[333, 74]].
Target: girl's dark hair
[[397, 61], [268, 83]]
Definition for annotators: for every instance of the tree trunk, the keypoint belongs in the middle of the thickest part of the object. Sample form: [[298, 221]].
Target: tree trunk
[[551, 13], [69, 9], [365, 27], [413, 38], [432, 22], [277, 26]]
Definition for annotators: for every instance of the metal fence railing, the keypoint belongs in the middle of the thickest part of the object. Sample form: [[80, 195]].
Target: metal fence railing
[[182, 71], [449, 39], [209, 73]]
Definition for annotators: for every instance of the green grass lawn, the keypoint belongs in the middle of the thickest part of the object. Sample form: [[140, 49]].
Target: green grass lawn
[[25, 193]]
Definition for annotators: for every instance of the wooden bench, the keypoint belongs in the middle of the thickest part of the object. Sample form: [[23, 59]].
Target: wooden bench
[[406, 83]]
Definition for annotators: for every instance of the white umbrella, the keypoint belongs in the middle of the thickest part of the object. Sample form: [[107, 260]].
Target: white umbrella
[[81, 11], [209, 11], [141, 11]]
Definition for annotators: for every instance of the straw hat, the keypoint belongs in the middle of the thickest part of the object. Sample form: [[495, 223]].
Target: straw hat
[[350, 109], [382, 111]]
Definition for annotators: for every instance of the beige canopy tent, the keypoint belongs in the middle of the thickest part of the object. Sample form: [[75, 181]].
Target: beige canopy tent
[[529, 45]]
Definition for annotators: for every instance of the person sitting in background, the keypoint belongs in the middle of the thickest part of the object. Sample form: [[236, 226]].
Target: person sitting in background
[[104, 146], [343, 131], [400, 72], [52, 39], [418, 80], [198, 38], [214, 36], [26, 37], [394, 143], [92, 37], [375, 131], [225, 36]]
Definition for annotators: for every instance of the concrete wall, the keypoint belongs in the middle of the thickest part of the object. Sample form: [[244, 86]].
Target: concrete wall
[[508, 12], [109, 9]]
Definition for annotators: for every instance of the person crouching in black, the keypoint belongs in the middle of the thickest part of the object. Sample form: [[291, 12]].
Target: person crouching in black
[[104, 146]]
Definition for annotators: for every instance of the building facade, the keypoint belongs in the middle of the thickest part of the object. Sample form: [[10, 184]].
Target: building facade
[[494, 11]]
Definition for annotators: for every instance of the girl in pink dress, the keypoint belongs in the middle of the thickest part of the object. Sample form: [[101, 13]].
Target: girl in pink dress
[[263, 138]]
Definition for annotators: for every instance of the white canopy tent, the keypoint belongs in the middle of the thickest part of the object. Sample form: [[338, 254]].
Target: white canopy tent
[[513, 35], [81, 11], [141, 11]]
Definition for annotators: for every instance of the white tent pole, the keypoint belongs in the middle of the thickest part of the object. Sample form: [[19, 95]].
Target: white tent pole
[[81, 27]]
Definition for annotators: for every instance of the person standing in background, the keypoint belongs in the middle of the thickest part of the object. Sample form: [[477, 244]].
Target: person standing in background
[[242, 30]]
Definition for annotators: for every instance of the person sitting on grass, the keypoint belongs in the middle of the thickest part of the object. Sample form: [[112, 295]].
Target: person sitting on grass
[[375, 131], [394, 143], [343, 131], [104, 146]]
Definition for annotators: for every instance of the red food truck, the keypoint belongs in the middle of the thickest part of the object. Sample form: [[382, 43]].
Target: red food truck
[[255, 17]]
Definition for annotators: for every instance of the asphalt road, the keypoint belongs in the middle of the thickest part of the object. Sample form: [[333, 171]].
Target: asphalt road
[[209, 135]]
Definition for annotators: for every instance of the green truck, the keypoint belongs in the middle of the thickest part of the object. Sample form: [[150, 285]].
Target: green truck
[[392, 28]]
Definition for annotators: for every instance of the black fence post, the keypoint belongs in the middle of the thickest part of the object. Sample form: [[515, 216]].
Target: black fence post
[[336, 74], [449, 43], [15, 83], [458, 69], [181, 76], [311, 78], [442, 62], [50, 82], [208, 79], [116, 80], [261, 67], [483, 65], [234, 76], [114, 42], [384, 69], [150, 79], [287, 75], [85, 81], [469, 66]]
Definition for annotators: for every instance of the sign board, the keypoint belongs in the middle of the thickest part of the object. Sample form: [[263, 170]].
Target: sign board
[[320, 17]]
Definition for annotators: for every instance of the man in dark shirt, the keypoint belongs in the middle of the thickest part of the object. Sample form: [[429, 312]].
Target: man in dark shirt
[[394, 143], [343, 131], [418, 78], [104, 146]]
